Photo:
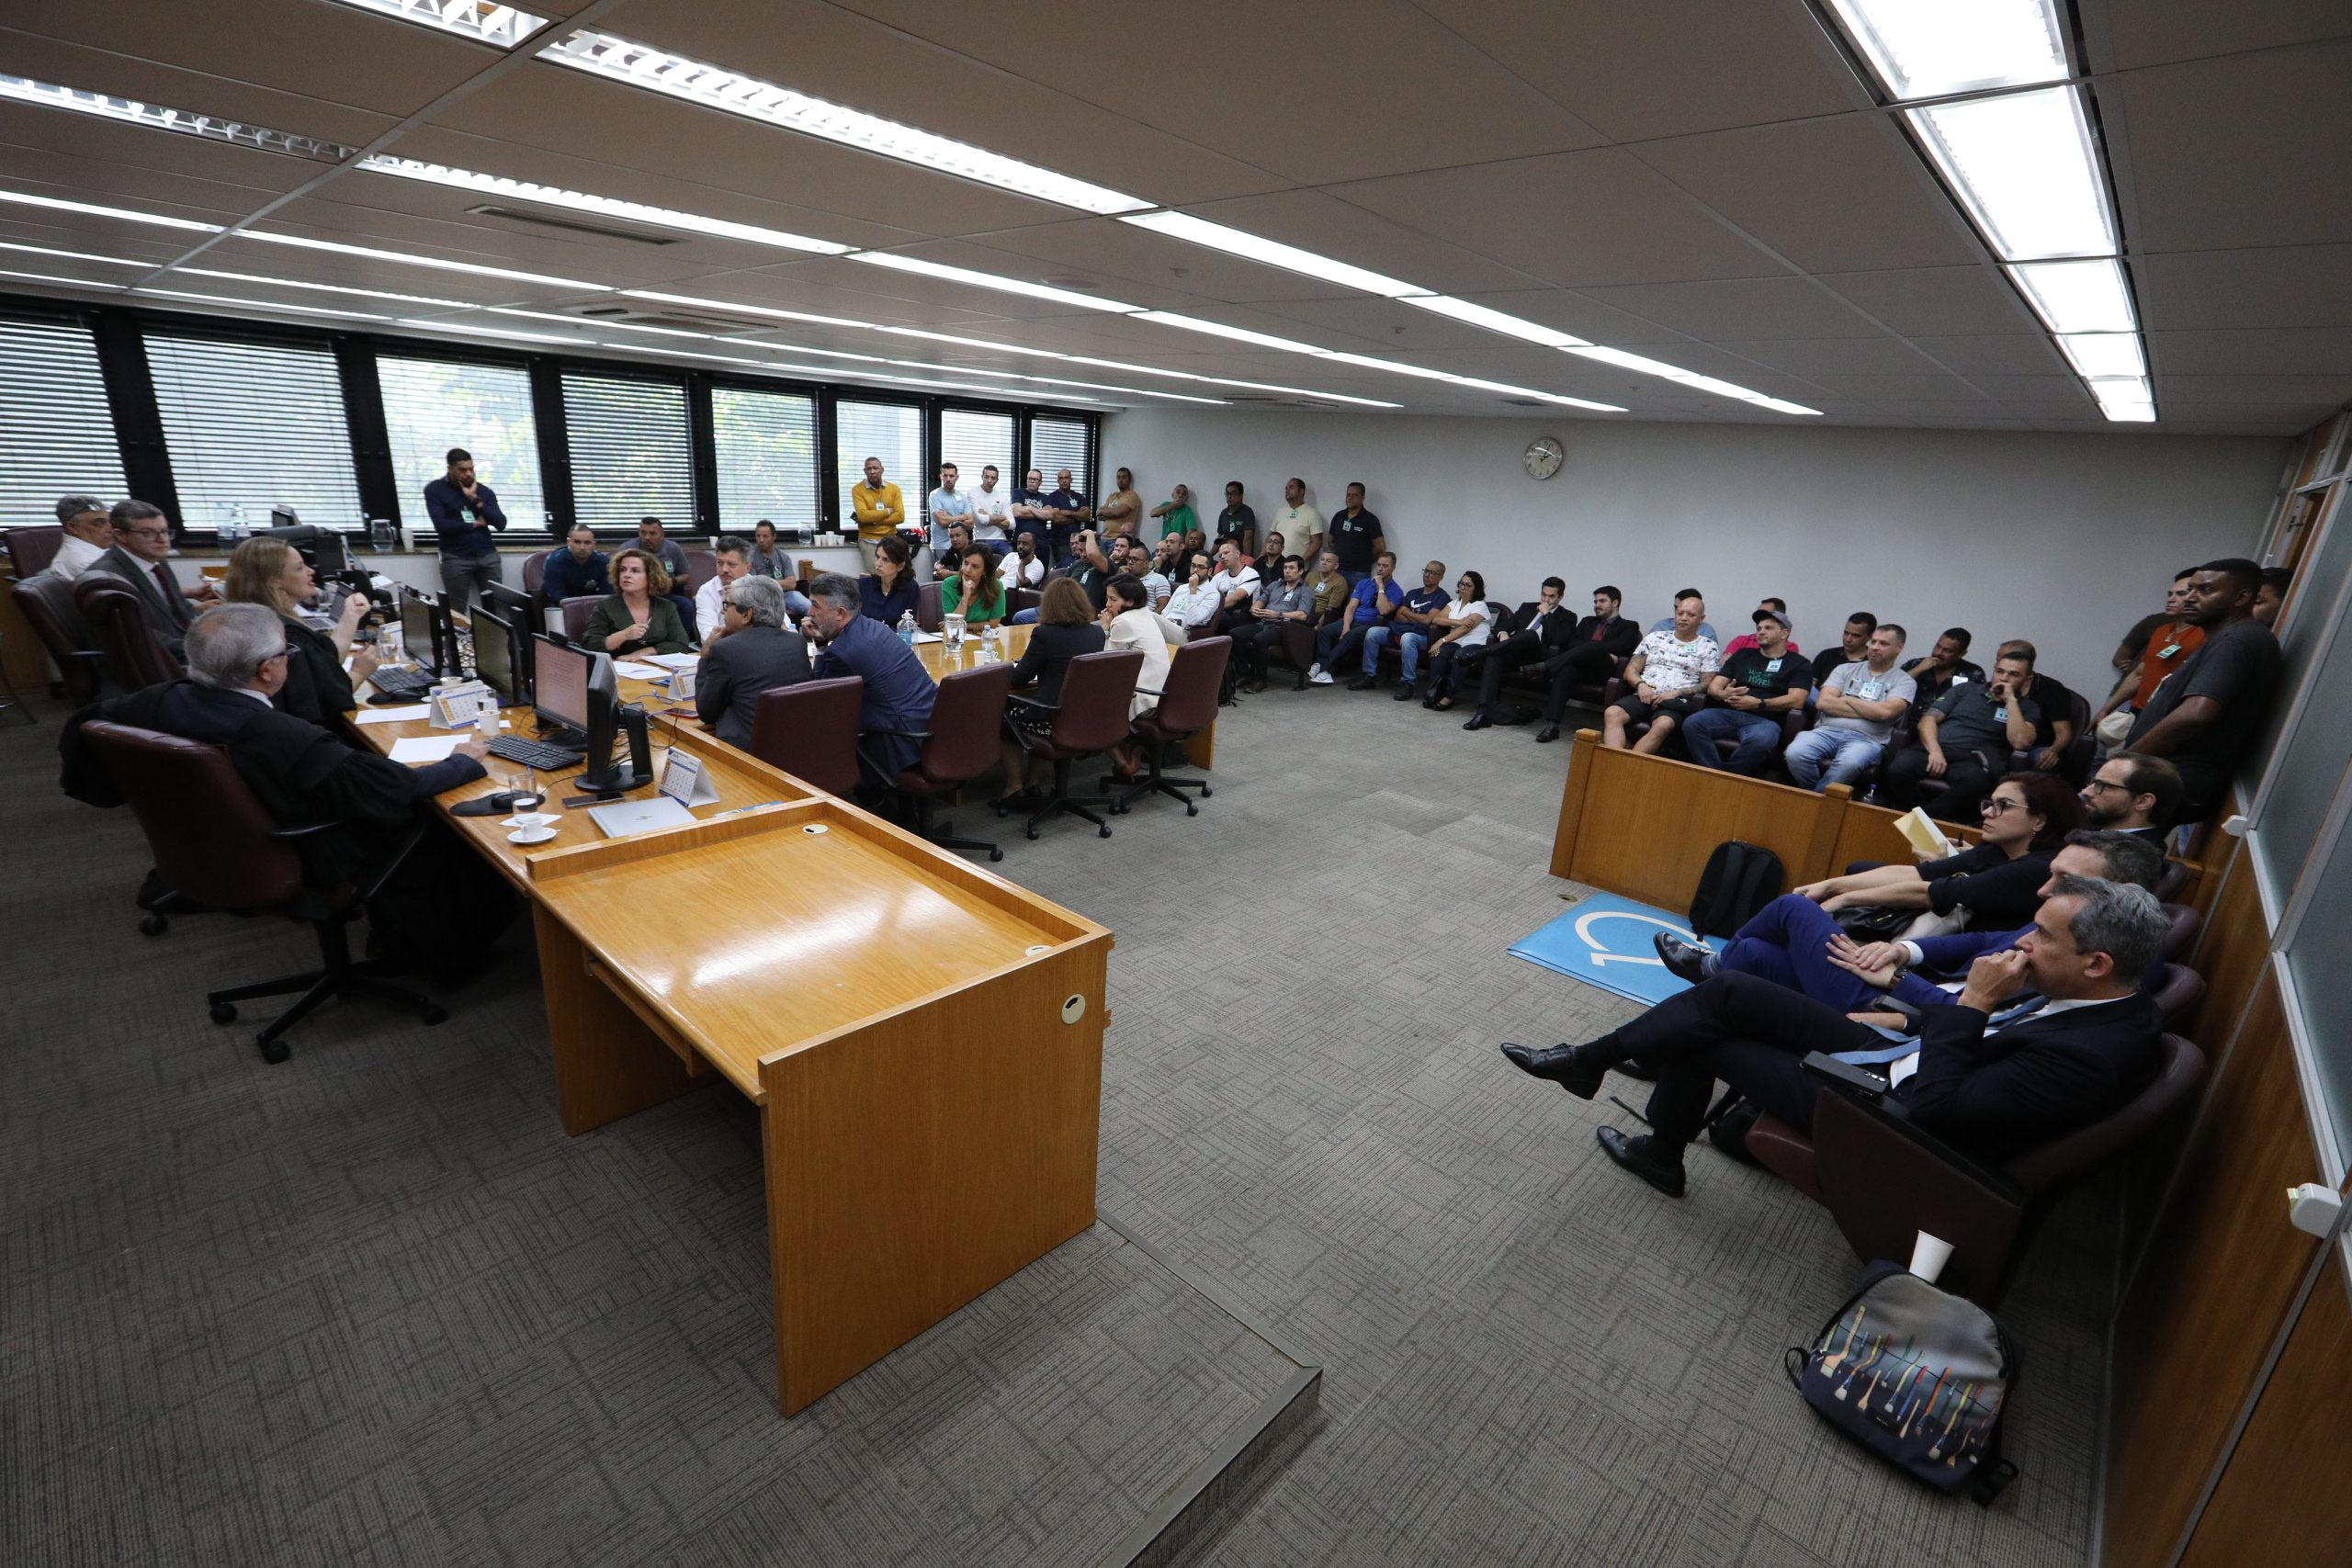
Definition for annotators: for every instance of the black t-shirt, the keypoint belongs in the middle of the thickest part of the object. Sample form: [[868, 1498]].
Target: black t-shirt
[[1234, 521], [2238, 668], [2055, 703], [2001, 894], [1765, 677], [1352, 537], [1931, 684], [1096, 585]]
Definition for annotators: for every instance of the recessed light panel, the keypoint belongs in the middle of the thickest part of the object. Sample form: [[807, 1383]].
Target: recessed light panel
[[2024, 167], [1928, 49]]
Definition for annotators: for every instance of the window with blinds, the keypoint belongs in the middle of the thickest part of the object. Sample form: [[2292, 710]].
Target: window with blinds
[[255, 425], [972, 440], [431, 405], [766, 444], [1057, 443], [630, 457], [59, 435], [892, 431]]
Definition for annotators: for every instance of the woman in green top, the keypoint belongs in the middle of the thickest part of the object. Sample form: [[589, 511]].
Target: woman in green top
[[976, 591], [639, 617]]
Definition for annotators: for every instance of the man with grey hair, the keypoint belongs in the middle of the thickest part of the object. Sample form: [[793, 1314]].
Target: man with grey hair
[[752, 654], [896, 702], [300, 773], [143, 543], [2077, 1050], [89, 533]]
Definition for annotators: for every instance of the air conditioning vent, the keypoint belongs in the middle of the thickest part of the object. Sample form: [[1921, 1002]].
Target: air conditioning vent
[[572, 225]]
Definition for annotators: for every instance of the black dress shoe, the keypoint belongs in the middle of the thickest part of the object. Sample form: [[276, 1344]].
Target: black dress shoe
[[1404, 692], [1477, 720], [1562, 1065], [1683, 960], [1545, 736], [1360, 684], [1641, 1156]]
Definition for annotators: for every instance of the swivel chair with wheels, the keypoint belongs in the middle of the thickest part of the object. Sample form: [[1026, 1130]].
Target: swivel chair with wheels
[[811, 731], [1090, 719], [961, 744], [1187, 706]]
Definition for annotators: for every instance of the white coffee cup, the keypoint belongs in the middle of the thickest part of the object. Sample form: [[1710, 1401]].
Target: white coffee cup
[[1928, 1255], [535, 835]]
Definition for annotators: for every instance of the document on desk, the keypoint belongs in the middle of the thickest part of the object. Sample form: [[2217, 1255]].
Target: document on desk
[[392, 716], [624, 818], [421, 749], [676, 660], [636, 671]]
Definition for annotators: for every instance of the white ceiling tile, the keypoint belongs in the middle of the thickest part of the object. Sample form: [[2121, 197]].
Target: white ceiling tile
[[1937, 301], [1743, 308], [1105, 249], [2281, 286], [2330, 390], [1809, 356], [1325, 224], [2125, 35], [1993, 354], [107, 71], [2317, 351]]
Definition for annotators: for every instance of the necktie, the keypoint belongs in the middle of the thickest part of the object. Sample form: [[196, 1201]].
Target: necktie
[[2015, 1011], [175, 603]]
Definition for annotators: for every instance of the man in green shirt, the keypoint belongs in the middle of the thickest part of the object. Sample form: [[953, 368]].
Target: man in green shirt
[[1176, 514]]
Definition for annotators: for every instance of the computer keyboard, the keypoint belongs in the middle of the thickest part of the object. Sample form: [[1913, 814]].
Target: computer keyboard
[[535, 753], [402, 683]]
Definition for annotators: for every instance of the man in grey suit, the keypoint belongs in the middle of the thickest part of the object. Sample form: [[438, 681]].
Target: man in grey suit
[[142, 545], [757, 654]]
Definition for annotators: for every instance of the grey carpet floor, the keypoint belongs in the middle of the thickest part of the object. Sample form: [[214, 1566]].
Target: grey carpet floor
[[373, 1306]]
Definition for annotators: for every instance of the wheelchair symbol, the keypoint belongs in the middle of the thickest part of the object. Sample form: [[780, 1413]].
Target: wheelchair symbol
[[1601, 956]]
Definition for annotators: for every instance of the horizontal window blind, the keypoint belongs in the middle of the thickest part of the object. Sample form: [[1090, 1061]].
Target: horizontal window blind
[[431, 405], [256, 425], [972, 440], [892, 431], [56, 434], [630, 457], [766, 444], [1057, 443]]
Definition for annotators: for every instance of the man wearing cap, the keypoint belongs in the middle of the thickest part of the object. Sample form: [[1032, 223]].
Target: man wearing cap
[[1757, 686]]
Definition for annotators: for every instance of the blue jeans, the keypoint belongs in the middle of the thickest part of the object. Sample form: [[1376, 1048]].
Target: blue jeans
[[1027, 617], [1408, 651], [1755, 736], [1822, 757], [1788, 944]]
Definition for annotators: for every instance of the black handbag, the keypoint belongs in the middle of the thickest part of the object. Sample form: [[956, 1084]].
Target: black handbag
[[1875, 922]]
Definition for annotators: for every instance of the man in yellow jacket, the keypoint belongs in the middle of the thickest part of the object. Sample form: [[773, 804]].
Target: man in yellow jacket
[[879, 509]]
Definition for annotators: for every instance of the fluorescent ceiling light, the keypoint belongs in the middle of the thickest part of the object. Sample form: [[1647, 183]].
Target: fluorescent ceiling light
[[470, 330], [68, 282], [990, 280], [1496, 321], [1272, 253], [1481, 382], [578, 321], [24, 199], [259, 304], [1927, 49], [327, 288], [1624, 361], [1051, 382], [2104, 356], [1218, 329], [606, 206], [746, 310], [1780, 405], [639, 65], [1690, 379], [500, 26], [77, 256], [1133, 368], [2077, 296], [2024, 167], [2125, 401], [435, 262], [48, 95]]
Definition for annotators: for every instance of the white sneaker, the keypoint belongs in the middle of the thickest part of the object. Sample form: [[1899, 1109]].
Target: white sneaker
[[1313, 671], [1316, 677]]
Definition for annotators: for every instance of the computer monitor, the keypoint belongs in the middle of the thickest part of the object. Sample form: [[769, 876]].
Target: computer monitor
[[606, 774], [421, 631], [559, 686], [323, 548], [515, 606], [498, 659]]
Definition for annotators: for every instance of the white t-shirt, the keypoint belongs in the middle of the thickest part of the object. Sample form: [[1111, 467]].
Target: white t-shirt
[[1856, 680], [1671, 666], [991, 512], [1460, 609], [1016, 575], [710, 609], [1223, 585], [75, 557]]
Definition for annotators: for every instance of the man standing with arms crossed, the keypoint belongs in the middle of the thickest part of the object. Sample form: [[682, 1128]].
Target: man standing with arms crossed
[[1122, 510], [879, 508]]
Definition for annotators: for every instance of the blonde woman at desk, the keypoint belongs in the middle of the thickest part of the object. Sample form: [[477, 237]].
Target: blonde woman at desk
[[639, 617], [272, 573]]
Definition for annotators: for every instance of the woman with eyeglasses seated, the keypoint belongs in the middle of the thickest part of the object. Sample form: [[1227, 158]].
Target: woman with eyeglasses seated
[[272, 574], [1998, 881]]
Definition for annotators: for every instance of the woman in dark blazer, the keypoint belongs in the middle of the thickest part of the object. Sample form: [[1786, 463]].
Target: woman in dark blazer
[[272, 573], [1065, 629], [640, 617], [890, 592]]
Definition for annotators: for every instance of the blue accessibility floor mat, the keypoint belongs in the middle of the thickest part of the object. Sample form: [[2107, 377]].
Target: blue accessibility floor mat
[[1604, 940]]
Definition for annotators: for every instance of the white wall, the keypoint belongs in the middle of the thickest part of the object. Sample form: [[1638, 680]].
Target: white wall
[[2063, 539]]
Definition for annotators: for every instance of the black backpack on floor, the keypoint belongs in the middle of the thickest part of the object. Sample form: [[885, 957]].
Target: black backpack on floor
[[1739, 880]]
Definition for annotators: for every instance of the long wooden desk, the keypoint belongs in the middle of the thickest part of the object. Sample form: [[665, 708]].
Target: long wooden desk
[[923, 1040]]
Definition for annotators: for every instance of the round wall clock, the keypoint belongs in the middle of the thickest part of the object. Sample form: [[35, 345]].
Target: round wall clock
[[1543, 456]]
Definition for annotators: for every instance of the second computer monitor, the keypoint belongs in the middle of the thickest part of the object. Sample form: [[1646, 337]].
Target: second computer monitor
[[498, 659], [420, 625], [559, 691]]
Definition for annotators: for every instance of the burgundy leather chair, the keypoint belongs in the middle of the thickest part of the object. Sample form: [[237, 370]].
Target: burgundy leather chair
[[46, 604], [1090, 719], [1883, 1179], [1023, 599], [207, 829], [33, 549], [811, 731], [1187, 705], [2173, 882], [966, 719], [929, 616], [576, 611], [535, 572], [135, 656], [701, 567]]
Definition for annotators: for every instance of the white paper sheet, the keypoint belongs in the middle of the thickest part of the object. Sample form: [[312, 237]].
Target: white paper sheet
[[676, 660], [424, 748], [636, 671], [392, 716]]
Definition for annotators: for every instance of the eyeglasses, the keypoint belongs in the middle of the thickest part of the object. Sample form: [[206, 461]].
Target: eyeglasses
[[1996, 805], [2098, 787], [281, 653]]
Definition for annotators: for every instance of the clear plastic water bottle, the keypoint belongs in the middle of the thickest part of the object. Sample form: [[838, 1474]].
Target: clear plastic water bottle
[[907, 628], [987, 636]]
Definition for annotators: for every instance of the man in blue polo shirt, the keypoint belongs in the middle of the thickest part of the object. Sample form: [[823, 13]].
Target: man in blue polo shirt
[[464, 511], [1374, 603], [576, 571]]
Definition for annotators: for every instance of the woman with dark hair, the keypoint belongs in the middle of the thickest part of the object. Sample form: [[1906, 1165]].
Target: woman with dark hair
[[1997, 881], [890, 592], [640, 616], [1065, 629], [1130, 623], [976, 591], [1465, 624]]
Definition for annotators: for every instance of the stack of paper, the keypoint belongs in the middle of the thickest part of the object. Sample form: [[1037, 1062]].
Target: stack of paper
[[1924, 836]]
